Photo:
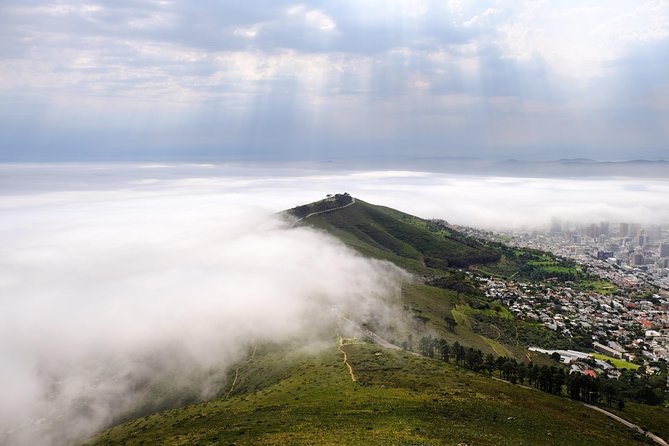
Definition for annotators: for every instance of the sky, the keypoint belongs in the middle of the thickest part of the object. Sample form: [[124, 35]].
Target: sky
[[348, 79]]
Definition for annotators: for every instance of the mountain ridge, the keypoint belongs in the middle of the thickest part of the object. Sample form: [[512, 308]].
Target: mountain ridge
[[376, 395]]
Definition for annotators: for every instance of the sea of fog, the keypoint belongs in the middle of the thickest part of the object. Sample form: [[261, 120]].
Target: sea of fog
[[114, 275], [495, 202]]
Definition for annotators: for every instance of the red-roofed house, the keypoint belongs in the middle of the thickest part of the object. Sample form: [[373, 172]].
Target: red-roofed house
[[589, 372]]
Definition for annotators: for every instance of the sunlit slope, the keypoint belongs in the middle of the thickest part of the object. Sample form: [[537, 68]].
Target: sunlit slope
[[282, 394], [398, 398], [416, 244], [435, 252]]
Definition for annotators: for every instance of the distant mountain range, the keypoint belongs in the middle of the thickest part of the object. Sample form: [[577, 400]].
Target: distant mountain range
[[576, 167]]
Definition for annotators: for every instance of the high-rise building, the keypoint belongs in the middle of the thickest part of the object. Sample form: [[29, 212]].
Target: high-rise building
[[654, 233], [664, 249], [592, 231], [604, 228], [624, 230], [634, 229], [642, 238]]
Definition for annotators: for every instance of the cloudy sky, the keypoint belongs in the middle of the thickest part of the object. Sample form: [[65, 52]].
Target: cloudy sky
[[333, 80]]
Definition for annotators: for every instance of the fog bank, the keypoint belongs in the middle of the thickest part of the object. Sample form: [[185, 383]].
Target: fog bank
[[113, 276], [102, 293], [484, 201]]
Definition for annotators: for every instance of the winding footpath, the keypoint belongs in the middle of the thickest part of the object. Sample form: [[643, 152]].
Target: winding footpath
[[325, 211], [348, 364]]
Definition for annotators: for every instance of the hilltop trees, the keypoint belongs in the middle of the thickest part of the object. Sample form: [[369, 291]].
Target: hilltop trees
[[343, 199]]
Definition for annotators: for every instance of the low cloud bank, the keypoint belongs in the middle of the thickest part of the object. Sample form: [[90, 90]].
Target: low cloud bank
[[484, 201], [104, 292], [114, 275]]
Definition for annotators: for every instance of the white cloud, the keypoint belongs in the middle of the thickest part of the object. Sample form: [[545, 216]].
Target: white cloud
[[647, 22], [480, 19], [106, 271], [313, 17], [249, 32], [579, 40], [105, 290], [320, 20], [337, 73]]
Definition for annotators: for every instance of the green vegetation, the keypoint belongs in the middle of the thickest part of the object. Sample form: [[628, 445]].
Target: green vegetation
[[392, 235], [431, 249], [329, 203], [530, 264], [284, 395], [518, 332], [598, 286], [398, 398], [537, 266], [651, 418], [618, 363]]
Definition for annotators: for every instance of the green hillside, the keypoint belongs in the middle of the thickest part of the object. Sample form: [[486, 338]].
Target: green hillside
[[397, 398], [431, 248], [417, 244], [437, 254], [279, 395]]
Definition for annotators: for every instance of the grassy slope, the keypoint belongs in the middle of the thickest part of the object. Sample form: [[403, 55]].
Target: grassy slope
[[284, 397], [619, 363], [401, 238], [651, 418], [399, 399], [406, 240]]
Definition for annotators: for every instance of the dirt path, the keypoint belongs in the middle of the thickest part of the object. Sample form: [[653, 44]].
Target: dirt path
[[516, 384], [234, 381], [650, 435], [348, 364], [325, 211], [615, 417]]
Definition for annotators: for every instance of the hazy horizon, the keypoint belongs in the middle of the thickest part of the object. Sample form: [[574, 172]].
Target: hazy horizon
[[497, 200]]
